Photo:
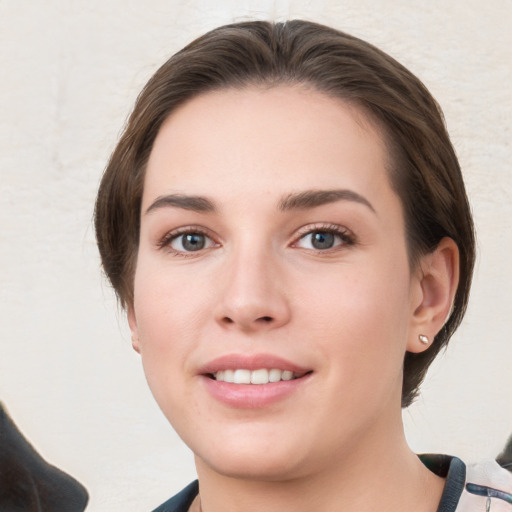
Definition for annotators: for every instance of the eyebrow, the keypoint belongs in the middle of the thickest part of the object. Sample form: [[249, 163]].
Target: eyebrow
[[313, 198], [295, 201], [195, 203]]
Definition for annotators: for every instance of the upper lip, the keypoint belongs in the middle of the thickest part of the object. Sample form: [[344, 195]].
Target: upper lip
[[250, 362]]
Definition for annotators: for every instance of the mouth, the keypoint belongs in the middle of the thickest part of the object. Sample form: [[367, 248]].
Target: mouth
[[254, 381], [259, 376]]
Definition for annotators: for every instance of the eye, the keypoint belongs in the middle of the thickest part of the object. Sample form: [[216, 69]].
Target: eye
[[323, 239], [185, 242], [189, 242], [319, 240]]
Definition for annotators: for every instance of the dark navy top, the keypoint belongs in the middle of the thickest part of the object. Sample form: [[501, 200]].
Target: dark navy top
[[182, 501], [451, 468]]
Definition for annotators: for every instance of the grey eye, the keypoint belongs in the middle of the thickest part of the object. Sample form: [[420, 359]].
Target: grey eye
[[322, 240], [190, 242], [319, 240]]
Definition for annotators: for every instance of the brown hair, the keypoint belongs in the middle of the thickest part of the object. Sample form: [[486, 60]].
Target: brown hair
[[424, 171]]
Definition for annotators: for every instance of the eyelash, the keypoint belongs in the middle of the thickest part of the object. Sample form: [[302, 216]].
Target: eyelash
[[346, 237], [165, 242]]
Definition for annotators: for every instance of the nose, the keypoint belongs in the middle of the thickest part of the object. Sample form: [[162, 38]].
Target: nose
[[253, 297]]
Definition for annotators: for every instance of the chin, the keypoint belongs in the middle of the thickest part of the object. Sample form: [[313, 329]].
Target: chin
[[270, 467], [247, 456]]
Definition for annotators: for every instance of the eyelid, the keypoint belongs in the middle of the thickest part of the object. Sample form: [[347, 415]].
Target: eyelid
[[346, 235], [164, 242]]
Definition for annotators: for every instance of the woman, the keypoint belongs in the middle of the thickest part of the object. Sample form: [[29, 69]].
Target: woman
[[285, 222]]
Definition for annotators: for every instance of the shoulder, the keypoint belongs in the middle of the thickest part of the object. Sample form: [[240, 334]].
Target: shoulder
[[468, 488], [471, 488], [181, 501], [487, 485]]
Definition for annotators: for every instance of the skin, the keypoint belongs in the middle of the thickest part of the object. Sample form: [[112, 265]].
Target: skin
[[347, 314]]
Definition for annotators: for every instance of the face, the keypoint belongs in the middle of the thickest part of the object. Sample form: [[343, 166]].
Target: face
[[272, 251]]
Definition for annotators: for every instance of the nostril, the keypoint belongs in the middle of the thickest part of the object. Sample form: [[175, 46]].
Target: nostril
[[226, 320]]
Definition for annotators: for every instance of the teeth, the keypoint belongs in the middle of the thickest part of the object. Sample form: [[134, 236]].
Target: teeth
[[274, 375], [229, 376], [261, 376], [287, 375], [242, 377]]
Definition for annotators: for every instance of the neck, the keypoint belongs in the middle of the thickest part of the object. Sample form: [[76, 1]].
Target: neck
[[384, 476]]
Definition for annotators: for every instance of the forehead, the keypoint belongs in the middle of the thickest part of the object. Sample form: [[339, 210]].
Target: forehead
[[265, 139]]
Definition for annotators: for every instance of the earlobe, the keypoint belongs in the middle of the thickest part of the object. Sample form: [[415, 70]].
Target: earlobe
[[437, 280], [132, 322]]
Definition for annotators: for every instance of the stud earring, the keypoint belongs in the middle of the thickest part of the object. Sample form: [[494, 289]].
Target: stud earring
[[424, 339]]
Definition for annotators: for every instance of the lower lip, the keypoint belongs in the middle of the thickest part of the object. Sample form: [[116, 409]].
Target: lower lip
[[252, 396]]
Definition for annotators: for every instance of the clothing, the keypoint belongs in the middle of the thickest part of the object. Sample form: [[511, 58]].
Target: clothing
[[467, 489], [27, 482], [473, 488], [182, 501]]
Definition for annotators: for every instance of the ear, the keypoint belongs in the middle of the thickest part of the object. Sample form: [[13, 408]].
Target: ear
[[132, 322], [436, 283]]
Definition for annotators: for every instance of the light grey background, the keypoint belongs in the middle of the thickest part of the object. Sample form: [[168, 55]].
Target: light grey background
[[69, 74]]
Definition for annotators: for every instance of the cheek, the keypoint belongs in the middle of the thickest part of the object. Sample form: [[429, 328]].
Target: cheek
[[364, 298], [359, 317], [167, 316], [168, 305]]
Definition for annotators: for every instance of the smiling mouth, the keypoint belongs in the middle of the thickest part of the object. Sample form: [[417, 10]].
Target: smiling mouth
[[258, 377]]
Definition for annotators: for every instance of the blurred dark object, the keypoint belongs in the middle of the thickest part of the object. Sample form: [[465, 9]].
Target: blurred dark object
[[27, 482], [504, 459]]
